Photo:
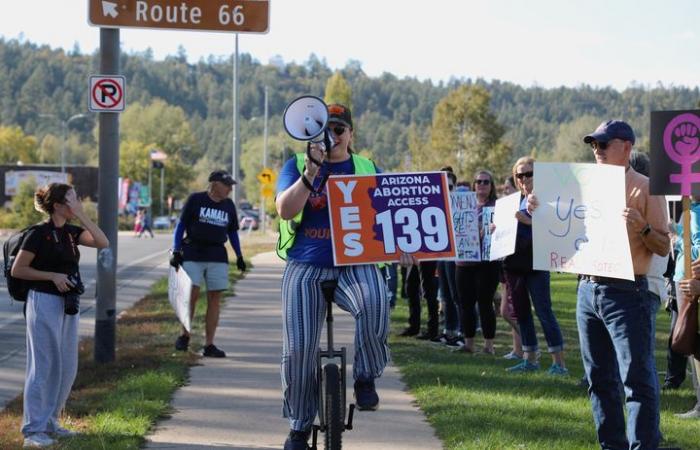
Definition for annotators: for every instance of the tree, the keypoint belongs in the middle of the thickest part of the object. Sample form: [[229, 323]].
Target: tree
[[338, 91], [15, 146], [466, 135], [569, 146], [22, 212]]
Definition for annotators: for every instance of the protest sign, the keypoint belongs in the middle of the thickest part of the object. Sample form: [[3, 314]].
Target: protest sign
[[578, 226], [486, 221], [503, 238], [376, 217], [675, 153], [179, 291], [466, 225]]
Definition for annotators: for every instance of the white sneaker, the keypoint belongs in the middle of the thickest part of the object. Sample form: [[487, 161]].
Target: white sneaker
[[38, 440]]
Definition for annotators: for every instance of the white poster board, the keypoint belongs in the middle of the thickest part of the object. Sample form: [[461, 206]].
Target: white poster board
[[179, 291], [503, 237], [14, 178], [578, 226], [466, 224]]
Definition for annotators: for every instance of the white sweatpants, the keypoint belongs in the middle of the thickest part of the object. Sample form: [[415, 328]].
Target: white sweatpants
[[52, 361]]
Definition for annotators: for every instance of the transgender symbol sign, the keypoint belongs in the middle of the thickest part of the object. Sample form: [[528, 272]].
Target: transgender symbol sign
[[675, 138], [682, 144]]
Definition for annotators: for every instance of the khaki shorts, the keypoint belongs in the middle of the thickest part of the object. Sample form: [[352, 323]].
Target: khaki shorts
[[215, 274]]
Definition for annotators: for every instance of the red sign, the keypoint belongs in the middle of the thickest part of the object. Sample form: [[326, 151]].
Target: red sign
[[107, 93], [374, 218]]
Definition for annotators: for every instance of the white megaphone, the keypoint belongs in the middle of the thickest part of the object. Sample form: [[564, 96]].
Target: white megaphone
[[306, 119]]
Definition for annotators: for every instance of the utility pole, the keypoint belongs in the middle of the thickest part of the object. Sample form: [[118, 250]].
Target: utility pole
[[262, 199], [108, 204], [236, 156]]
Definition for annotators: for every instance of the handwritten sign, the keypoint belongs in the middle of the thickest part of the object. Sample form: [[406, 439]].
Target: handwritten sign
[[376, 217], [466, 224], [503, 238], [578, 226], [486, 221]]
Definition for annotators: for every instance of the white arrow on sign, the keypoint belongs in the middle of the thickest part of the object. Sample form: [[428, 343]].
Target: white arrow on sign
[[110, 9]]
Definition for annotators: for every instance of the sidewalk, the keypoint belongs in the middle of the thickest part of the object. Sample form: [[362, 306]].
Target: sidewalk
[[235, 402]]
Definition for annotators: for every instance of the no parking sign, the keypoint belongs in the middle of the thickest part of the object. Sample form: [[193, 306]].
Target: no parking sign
[[107, 93]]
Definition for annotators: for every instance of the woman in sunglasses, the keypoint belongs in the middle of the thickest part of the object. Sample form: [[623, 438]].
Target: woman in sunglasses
[[477, 281], [526, 285], [305, 242]]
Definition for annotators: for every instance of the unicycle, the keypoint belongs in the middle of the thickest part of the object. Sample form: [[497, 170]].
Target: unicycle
[[331, 376]]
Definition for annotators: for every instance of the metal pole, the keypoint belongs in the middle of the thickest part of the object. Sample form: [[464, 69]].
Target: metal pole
[[64, 125], [150, 190], [262, 199], [236, 161], [108, 203], [162, 174]]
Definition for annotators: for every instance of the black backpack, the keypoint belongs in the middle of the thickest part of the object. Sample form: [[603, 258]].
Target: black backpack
[[17, 288]]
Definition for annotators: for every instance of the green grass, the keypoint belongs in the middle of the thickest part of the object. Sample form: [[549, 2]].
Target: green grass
[[474, 404], [115, 405]]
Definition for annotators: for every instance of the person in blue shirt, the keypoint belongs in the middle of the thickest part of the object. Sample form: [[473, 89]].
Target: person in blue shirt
[[207, 220], [305, 242]]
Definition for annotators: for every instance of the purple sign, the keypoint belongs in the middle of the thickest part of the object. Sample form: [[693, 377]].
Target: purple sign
[[675, 140]]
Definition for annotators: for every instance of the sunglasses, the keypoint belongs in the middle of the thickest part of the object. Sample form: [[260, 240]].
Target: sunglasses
[[486, 182], [595, 145], [338, 130], [522, 175]]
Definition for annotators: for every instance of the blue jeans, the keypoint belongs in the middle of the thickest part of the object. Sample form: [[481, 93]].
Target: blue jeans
[[391, 276], [616, 323], [534, 286]]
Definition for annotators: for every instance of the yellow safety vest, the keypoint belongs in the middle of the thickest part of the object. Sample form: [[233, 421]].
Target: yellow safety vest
[[363, 166]]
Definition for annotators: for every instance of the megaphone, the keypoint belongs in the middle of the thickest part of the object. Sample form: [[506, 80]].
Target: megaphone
[[306, 119]]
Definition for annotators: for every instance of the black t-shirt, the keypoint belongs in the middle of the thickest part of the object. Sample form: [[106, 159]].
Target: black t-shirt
[[55, 250], [207, 226]]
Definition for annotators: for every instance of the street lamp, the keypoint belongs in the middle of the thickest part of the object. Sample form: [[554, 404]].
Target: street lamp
[[64, 129]]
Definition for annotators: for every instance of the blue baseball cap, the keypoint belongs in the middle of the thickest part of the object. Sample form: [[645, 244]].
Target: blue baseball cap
[[612, 129]]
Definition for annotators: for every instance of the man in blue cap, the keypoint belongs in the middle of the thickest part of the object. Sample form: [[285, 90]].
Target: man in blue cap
[[616, 318], [208, 219]]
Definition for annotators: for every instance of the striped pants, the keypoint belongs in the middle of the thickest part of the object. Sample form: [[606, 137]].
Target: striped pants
[[362, 293]]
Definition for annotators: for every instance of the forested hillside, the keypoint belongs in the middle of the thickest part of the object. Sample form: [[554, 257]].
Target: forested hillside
[[394, 118]]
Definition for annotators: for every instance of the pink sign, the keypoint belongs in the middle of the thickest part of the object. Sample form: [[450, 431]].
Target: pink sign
[[682, 144]]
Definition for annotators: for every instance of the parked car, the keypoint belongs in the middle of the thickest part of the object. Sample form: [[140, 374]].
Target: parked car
[[161, 223], [248, 218]]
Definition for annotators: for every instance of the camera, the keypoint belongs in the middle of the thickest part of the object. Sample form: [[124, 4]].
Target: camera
[[71, 299]]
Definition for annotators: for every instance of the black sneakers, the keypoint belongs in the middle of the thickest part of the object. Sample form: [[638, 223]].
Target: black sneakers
[[182, 343], [366, 397], [297, 440], [212, 352]]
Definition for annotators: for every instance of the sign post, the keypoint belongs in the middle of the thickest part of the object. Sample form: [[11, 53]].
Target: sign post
[[107, 207], [107, 98]]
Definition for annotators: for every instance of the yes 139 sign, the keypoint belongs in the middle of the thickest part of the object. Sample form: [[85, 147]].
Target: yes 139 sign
[[376, 217]]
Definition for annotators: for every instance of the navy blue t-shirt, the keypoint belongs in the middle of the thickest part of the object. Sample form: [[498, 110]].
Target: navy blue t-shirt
[[312, 244], [207, 226]]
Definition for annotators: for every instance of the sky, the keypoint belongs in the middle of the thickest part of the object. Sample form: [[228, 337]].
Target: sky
[[547, 43]]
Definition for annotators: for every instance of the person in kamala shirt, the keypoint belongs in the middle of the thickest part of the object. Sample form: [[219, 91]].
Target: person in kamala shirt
[[207, 220], [305, 242]]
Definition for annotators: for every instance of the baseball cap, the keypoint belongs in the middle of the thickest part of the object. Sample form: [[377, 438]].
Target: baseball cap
[[612, 129], [222, 176], [340, 113]]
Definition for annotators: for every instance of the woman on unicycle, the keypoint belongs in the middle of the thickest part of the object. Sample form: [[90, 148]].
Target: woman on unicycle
[[305, 242]]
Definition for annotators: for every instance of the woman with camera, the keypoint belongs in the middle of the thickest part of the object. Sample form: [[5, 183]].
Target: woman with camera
[[48, 259]]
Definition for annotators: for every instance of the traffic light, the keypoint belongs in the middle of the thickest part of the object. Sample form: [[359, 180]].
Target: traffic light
[[157, 164]]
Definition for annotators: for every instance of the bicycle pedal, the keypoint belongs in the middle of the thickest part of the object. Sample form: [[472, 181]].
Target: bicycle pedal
[[350, 414]]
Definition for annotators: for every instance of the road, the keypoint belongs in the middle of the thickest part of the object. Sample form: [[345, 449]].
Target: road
[[140, 262]]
